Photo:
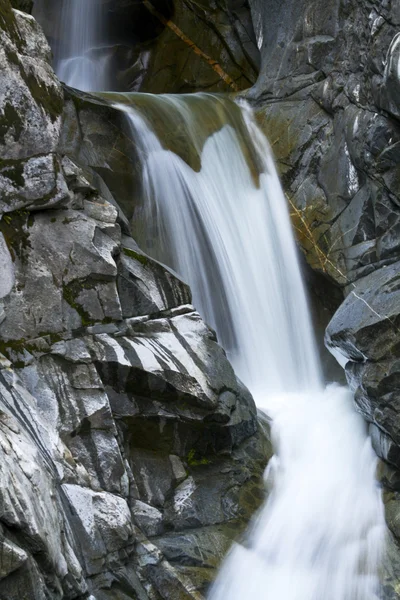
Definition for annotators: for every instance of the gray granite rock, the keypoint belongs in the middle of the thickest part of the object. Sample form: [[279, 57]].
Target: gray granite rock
[[31, 98]]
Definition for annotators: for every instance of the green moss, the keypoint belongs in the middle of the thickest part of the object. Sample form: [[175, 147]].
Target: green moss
[[70, 293], [10, 119], [7, 22], [13, 226], [144, 260], [14, 350], [24, 5], [46, 97], [79, 103], [282, 131], [15, 345], [194, 459], [12, 56], [14, 171]]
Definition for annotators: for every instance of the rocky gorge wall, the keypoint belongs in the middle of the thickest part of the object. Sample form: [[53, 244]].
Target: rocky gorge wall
[[174, 46], [131, 455], [111, 382]]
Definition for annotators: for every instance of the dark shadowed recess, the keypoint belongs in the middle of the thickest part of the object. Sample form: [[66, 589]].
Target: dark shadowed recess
[[169, 46]]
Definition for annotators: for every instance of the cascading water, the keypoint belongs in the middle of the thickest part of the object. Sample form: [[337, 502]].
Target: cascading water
[[81, 60], [320, 534], [225, 228], [231, 240]]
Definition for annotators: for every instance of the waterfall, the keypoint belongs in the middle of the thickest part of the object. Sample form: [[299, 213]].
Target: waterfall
[[230, 238], [222, 223], [81, 60]]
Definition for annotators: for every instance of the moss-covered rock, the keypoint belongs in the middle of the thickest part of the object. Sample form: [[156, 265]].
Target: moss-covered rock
[[31, 101]]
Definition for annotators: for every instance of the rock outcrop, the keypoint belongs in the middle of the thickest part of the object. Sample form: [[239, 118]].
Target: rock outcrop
[[131, 455], [365, 330], [323, 99]]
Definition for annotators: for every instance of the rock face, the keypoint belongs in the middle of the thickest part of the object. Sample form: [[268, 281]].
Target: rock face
[[131, 455], [203, 46], [365, 330], [332, 122]]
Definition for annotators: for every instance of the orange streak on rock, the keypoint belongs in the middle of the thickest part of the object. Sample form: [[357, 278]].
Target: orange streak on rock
[[213, 63]]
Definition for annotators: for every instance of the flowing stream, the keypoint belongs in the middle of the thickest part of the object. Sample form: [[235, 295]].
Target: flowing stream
[[230, 237], [211, 207], [220, 219]]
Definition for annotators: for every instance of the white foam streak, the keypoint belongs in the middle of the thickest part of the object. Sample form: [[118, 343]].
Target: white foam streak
[[232, 242]]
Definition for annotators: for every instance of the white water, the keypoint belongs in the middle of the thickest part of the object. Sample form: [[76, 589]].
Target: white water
[[82, 60], [233, 243], [320, 534]]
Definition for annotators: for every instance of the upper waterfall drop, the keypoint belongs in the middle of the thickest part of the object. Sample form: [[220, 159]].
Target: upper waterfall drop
[[220, 219], [81, 61]]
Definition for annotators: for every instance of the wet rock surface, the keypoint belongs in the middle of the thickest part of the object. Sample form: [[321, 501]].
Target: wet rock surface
[[179, 46]]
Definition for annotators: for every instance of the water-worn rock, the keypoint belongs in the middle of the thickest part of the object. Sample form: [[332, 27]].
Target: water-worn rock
[[31, 103], [327, 72], [365, 330]]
